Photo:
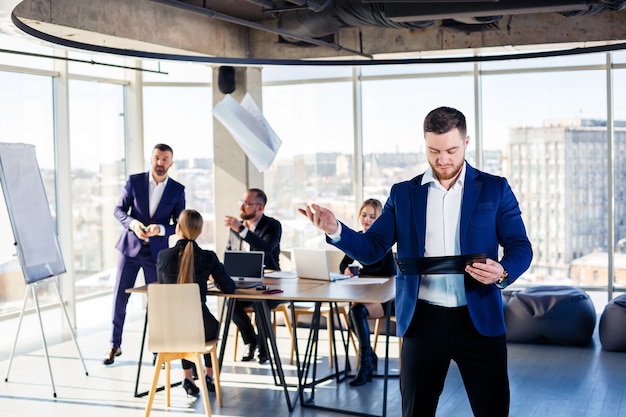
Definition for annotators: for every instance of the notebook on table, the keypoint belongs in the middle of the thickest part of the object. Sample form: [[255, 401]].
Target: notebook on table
[[313, 264], [245, 268]]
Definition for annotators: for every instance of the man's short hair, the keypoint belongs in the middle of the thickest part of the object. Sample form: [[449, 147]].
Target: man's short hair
[[163, 148], [260, 195], [444, 119]]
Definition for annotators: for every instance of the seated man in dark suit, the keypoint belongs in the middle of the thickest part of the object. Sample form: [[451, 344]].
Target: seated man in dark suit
[[253, 231]]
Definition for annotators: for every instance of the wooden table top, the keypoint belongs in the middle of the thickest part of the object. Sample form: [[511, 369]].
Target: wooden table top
[[298, 289]]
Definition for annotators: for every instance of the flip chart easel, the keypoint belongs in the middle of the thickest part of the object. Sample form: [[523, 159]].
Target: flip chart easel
[[34, 230]]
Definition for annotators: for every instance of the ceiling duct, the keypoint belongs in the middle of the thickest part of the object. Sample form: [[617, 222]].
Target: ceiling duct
[[411, 14]]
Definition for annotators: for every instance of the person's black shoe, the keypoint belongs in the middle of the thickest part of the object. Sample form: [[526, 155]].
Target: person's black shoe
[[368, 363], [190, 388], [250, 349], [210, 386], [109, 358], [264, 357]]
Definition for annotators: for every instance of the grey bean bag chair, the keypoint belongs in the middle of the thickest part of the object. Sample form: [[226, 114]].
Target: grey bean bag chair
[[550, 314], [612, 327]]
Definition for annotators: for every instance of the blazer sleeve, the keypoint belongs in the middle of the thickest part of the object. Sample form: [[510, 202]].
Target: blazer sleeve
[[125, 203], [167, 266], [267, 239]]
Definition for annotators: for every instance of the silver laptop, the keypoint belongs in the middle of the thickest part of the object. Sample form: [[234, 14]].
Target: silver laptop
[[313, 264], [245, 268]]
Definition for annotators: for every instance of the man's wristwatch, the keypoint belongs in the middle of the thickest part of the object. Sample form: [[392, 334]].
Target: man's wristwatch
[[242, 228], [503, 281]]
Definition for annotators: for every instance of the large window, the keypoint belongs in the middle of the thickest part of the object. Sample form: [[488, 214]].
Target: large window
[[551, 128], [393, 115], [97, 156], [542, 123], [315, 161]]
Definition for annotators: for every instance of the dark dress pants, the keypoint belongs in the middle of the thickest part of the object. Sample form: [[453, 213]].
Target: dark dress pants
[[127, 270], [438, 335], [244, 324], [211, 331]]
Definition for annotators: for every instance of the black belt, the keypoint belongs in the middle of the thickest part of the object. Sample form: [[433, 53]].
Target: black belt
[[438, 264]]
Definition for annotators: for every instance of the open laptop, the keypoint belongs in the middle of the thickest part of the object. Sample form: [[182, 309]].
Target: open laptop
[[313, 264], [245, 268]]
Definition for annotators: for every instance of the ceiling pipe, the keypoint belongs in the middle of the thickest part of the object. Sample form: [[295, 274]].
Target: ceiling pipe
[[269, 4], [408, 12], [242, 22], [311, 5]]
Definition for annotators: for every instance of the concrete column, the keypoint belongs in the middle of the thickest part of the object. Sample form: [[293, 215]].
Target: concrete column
[[133, 120], [233, 172]]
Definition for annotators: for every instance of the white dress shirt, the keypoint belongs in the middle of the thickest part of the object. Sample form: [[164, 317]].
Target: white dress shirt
[[155, 193], [443, 214], [243, 245]]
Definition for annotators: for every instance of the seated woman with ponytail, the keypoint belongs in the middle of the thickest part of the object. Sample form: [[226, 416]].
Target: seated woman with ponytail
[[186, 262]]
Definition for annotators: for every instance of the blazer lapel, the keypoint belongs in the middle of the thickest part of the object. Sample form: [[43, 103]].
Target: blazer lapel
[[471, 191], [144, 195], [419, 197]]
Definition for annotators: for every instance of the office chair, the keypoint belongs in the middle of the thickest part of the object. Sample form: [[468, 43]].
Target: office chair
[[176, 331]]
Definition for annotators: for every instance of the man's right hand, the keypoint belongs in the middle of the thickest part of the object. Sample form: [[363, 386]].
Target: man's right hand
[[140, 230], [321, 217]]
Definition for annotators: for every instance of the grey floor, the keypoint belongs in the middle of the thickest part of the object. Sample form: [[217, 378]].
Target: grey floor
[[555, 381]]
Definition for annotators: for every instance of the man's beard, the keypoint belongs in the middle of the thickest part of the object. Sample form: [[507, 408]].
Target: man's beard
[[160, 171], [456, 169], [245, 216]]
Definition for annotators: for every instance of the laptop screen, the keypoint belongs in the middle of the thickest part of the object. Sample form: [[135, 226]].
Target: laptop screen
[[244, 264], [313, 264]]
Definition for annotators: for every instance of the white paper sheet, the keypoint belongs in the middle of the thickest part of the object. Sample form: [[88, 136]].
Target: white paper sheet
[[363, 281], [250, 129]]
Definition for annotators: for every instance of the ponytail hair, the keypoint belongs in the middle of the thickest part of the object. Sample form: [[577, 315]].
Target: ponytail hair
[[190, 223]]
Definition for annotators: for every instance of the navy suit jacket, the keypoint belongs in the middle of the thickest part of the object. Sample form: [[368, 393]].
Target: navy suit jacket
[[490, 217], [134, 204], [266, 238]]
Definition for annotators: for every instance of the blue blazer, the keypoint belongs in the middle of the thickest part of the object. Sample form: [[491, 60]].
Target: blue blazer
[[134, 204], [490, 216]]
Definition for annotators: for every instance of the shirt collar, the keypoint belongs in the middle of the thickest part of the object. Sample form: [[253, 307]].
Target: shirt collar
[[254, 225], [153, 182]]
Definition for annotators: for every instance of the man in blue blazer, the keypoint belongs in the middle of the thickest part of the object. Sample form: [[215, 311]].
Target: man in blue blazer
[[148, 209], [455, 312]]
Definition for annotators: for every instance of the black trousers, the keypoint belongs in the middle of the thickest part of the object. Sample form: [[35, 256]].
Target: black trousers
[[211, 331], [438, 335], [243, 322]]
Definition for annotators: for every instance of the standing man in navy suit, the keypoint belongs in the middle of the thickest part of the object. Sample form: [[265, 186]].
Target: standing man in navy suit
[[148, 209], [451, 209]]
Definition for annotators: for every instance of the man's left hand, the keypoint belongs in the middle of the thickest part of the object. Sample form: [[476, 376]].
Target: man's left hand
[[153, 230], [486, 273]]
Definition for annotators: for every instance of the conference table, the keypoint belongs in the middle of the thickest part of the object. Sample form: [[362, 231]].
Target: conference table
[[363, 290]]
